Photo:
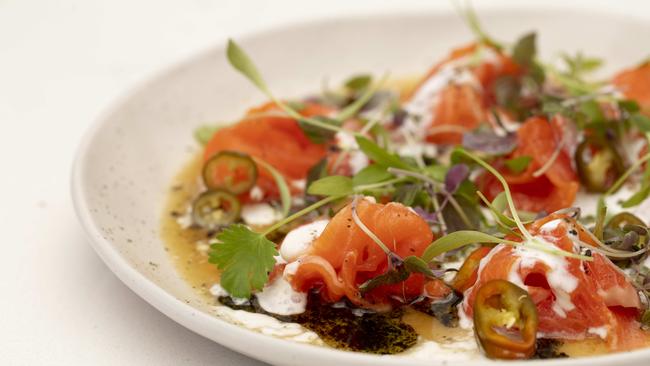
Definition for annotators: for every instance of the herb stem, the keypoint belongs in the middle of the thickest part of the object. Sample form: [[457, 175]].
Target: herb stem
[[436, 206], [302, 212], [547, 165], [365, 187], [506, 189], [615, 187], [364, 228], [354, 108], [448, 196]]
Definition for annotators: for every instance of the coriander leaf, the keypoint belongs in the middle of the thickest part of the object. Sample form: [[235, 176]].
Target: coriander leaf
[[518, 164], [246, 259], [379, 155], [283, 188], [204, 133], [371, 174], [316, 134], [240, 61], [525, 49], [358, 82], [334, 185]]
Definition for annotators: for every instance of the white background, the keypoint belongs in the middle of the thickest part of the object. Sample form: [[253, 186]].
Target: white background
[[61, 63]]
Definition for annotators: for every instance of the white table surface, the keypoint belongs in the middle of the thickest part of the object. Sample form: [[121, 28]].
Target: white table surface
[[61, 63]]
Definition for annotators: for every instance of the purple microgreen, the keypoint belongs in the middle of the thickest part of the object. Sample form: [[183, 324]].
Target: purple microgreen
[[455, 176], [488, 142]]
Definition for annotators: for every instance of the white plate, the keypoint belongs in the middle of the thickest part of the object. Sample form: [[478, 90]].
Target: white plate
[[126, 161]]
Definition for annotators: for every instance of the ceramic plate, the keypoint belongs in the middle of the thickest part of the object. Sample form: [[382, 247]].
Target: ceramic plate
[[127, 160]]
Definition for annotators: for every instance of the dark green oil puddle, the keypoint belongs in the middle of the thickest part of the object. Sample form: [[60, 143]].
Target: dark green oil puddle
[[342, 326]]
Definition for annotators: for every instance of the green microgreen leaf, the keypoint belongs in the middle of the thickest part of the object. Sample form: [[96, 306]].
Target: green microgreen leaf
[[316, 172], [592, 110], [371, 174], [638, 197], [358, 83], [334, 185], [437, 172], [642, 194], [506, 188], [246, 259], [242, 63], [530, 241], [406, 194], [204, 133], [628, 105], [354, 108], [459, 239], [641, 122], [468, 15], [283, 188], [518, 164], [498, 206], [579, 65], [623, 178], [396, 273], [416, 265], [318, 134], [525, 49], [379, 155], [599, 228]]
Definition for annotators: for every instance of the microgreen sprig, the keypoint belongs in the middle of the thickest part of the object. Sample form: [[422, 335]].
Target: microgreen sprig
[[243, 63]]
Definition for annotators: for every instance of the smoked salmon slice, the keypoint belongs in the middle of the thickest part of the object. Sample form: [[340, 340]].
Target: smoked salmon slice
[[267, 134], [635, 84], [575, 299], [556, 188], [464, 100], [344, 256]]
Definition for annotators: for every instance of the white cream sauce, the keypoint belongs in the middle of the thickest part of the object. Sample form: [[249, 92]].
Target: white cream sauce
[[464, 350], [421, 106], [298, 240], [356, 160], [267, 325], [260, 214], [278, 297]]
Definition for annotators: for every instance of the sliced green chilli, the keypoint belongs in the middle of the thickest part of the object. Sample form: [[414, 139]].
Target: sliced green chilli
[[230, 171], [214, 209], [599, 165]]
